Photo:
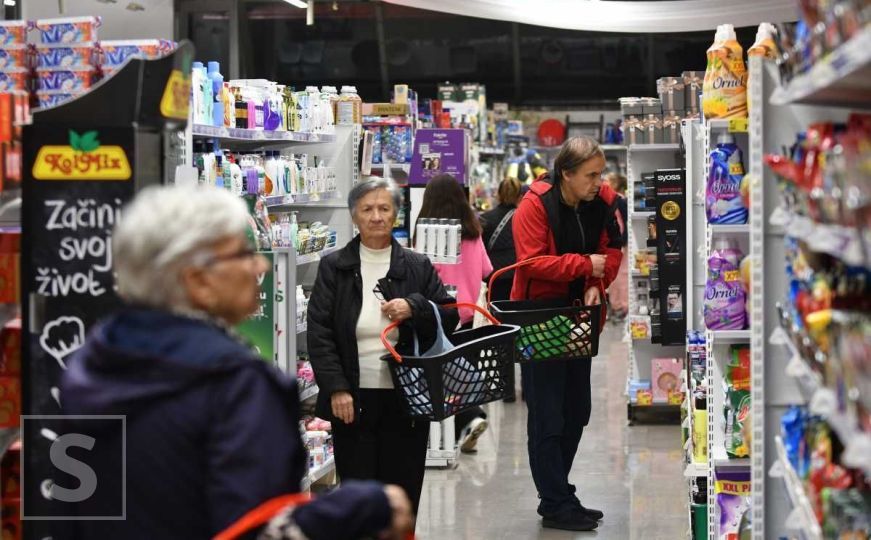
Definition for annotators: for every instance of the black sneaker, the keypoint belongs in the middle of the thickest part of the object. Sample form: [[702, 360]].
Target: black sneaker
[[570, 520]]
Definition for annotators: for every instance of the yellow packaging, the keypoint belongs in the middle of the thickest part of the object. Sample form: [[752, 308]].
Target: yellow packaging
[[764, 45], [700, 435], [724, 92]]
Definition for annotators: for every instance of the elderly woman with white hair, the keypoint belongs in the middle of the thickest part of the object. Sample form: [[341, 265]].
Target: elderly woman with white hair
[[358, 292], [211, 428]]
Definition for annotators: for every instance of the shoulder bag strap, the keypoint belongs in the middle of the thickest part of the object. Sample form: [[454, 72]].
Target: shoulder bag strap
[[505, 219]]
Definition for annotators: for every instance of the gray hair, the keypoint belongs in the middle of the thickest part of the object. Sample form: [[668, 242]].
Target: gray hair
[[574, 152], [371, 184], [166, 229]]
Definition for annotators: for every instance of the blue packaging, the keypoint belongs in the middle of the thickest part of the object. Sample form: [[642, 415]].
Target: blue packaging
[[52, 99], [72, 55], [69, 29], [66, 80], [723, 201], [792, 428]]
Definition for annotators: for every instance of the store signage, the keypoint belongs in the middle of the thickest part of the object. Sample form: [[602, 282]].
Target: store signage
[[439, 151], [671, 253], [175, 102], [387, 109], [259, 328], [84, 158]]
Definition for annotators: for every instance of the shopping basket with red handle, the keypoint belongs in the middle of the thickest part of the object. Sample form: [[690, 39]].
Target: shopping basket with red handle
[[550, 329], [473, 372]]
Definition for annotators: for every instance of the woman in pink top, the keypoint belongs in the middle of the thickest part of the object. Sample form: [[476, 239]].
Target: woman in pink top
[[444, 198]]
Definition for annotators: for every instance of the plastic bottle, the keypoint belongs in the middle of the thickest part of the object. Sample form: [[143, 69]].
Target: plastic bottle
[[764, 45], [723, 201], [420, 235], [270, 166], [217, 81], [431, 234], [197, 92], [349, 107], [294, 231], [219, 171], [442, 240], [453, 243], [331, 96], [724, 92]]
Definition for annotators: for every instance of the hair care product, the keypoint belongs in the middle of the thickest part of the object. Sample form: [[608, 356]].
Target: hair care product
[[217, 81], [442, 240], [453, 245], [431, 243], [420, 234]]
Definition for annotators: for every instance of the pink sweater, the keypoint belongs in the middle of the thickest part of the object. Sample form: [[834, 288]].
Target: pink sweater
[[467, 276]]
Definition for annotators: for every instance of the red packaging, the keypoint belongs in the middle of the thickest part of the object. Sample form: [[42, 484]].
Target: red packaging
[[11, 513], [10, 267], [10, 339], [10, 473], [10, 401]]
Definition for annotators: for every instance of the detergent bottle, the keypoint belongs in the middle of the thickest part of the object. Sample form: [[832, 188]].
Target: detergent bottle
[[724, 92]]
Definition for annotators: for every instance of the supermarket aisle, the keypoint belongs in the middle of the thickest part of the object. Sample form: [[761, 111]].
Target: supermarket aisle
[[634, 474]]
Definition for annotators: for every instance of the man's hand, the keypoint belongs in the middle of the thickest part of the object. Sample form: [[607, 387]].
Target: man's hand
[[592, 297], [598, 265], [343, 406], [403, 520]]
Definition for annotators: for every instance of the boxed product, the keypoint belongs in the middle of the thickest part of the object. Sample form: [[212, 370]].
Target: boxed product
[[70, 80], [639, 327], [630, 107], [13, 33], [636, 386], [68, 29], [14, 57], [671, 122], [651, 105], [52, 98], [633, 131], [114, 53], [665, 377], [653, 128], [65, 55], [15, 80], [448, 92], [671, 93], [692, 83]]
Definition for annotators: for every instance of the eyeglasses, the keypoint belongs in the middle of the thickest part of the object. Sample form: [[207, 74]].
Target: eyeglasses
[[379, 294], [246, 253]]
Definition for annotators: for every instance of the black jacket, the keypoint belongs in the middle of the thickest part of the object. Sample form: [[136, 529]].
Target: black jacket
[[503, 253], [334, 308], [212, 432]]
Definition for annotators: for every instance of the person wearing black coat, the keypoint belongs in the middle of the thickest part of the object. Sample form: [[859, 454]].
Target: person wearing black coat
[[499, 242], [359, 291], [212, 429]]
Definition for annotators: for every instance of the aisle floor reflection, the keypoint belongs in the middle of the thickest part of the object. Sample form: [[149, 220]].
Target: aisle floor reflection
[[633, 474]]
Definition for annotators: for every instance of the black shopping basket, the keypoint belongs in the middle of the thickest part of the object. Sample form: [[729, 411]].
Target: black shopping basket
[[550, 329], [475, 371]]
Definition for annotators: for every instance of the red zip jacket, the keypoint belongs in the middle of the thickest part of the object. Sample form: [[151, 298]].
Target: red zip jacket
[[533, 237]]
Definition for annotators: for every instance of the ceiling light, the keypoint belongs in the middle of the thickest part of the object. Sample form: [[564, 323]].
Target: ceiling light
[[10, 3], [297, 3]]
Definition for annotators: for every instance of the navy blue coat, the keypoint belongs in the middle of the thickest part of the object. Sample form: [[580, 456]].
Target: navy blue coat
[[212, 430]]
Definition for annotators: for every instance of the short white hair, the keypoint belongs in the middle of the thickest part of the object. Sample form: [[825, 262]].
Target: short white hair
[[166, 229]]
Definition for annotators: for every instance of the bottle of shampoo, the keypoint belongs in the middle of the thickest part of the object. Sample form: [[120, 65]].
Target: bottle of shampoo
[[724, 92], [217, 81]]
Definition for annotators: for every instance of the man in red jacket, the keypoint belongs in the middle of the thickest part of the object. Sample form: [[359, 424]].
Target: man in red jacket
[[569, 215]]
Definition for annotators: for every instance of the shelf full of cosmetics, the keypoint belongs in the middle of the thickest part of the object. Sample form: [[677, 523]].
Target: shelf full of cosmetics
[[55, 60]]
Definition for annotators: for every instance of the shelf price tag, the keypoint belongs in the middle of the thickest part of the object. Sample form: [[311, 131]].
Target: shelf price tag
[[645, 398], [675, 397], [738, 125]]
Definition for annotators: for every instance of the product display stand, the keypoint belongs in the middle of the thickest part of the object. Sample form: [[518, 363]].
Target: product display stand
[[643, 159]]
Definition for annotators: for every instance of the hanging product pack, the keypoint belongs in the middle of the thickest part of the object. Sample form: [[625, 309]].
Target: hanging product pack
[[550, 329], [454, 375]]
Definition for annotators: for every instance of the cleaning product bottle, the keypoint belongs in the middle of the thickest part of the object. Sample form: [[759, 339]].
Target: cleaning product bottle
[[725, 304], [270, 166], [764, 45], [294, 231], [724, 92], [723, 201], [346, 113], [217, 81], [197, 92]]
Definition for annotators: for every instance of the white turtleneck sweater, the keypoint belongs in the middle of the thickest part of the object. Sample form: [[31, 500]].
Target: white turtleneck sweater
[[374, 372]]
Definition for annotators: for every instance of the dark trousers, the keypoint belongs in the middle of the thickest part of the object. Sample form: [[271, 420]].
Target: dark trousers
[[382, 444], [502, 291], [558, 400]]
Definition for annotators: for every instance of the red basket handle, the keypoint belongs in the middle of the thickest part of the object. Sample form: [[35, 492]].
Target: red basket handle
[[261, 515], [393, 325], [495, 275]]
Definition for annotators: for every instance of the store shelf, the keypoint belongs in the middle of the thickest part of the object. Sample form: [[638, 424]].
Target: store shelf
[[803, 517], [259, 136], [723, 461], [639, 215], [730, 229], [404, 167], [309, 393], [317, 473], [492, 152], [614, 147], [729, 336], [838, 241], [695, 470], [301, 328], [654, 147], [329, 199], [841, 79], [313, 257]]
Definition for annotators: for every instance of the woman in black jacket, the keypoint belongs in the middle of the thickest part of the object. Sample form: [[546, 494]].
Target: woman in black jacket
[[499, 242], [359, 291]]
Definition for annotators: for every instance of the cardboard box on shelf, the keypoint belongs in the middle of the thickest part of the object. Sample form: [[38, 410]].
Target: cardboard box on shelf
[[448, 92], [653, 128], [631, 107], [633, 131], [385, 109], [671, 93], [692, 82], [671, 127], [665, 377], [651, 105]]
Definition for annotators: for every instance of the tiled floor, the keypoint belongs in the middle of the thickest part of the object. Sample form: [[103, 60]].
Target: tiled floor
[[633, 474]]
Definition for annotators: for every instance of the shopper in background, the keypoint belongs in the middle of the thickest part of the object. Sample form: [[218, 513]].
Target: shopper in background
[[211, 428], [359, 291], [569, 216], [444, 198], [499, 241], [618, 292]]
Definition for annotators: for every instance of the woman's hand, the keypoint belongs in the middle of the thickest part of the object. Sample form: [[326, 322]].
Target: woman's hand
[[397, 310], [403, 520], [592, 297], [598, 262], [343, 406]]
